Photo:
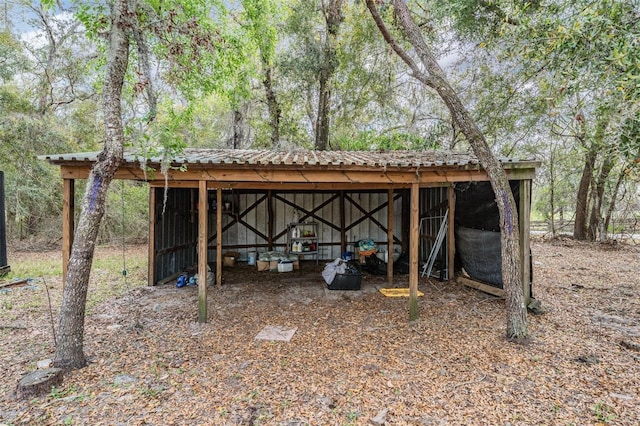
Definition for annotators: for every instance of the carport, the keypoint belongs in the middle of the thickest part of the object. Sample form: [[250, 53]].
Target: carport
[[395, 192]]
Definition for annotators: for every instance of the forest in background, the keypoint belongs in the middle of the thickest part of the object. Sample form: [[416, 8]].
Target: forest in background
[[556, 80]]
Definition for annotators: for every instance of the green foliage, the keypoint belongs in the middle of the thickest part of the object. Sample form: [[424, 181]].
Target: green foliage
[[630, 139], [373, 141], [29, 202], [527, 72], [126, 214], [12, 101], [603, 413], [258, 21], [14, 61]]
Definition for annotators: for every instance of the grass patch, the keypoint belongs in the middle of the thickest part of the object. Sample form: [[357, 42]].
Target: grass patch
[[25, 266], [106, 279]]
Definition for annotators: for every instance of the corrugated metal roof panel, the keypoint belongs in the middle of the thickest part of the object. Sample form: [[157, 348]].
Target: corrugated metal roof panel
[[253, 157]]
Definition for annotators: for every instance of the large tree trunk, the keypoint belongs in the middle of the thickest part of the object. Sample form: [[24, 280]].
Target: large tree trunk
[[517, 327], [582, 198], [275, 111], [69, 351]]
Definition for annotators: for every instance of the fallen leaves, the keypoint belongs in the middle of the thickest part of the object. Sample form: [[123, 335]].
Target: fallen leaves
[[352, 360]]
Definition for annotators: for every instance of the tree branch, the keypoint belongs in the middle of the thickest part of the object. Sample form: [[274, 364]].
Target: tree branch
[[417, 72], [147, 82]]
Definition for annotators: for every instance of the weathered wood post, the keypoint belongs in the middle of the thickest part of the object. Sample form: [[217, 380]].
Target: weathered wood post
[[390, 237], [68, 224], [202, 250], [414, 237], [219, 237], [151, 267]]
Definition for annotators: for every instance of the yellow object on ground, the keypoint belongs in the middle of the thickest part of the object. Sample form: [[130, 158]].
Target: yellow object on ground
[[398, 292]]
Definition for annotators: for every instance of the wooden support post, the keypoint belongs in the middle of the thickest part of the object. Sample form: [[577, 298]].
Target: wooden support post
[[270, 220], [151, 267], [202, 251], [219, 238], [68, 226], [414, 237], [390, 237], [343, 226], [406, 211], [451, 236], [525, 240]]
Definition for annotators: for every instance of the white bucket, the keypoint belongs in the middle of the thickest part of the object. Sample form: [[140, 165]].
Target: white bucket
[[285, 266], [252, 257]]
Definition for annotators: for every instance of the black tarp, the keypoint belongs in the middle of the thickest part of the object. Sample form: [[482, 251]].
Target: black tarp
[[477, 230]]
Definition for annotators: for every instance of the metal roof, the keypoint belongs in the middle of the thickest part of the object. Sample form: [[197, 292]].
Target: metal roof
[[255, 157]]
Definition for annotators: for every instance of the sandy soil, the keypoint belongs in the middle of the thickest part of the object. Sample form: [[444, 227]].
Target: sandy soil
[[354, 358]]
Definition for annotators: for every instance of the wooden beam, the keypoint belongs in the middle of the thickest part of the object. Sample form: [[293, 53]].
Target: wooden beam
[[390, 200], [366, 215], [309, 213], [343, 236], [237, 219], [405, 227], [151, 267], [481, 286], [219, 238], [451, 235], [524, 216], [203, 215], [68, 225], [280, 186], [307, 174], [414, 238], [270, 220]]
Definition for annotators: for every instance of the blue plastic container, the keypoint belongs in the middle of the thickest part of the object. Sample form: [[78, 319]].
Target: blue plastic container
[[182, 281]]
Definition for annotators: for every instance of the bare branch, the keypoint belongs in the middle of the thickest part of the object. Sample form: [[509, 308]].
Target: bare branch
[[416, 71]]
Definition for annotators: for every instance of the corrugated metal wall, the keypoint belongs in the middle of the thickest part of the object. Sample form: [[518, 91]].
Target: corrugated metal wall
[[241, 238], [433, 208], [176, 229]]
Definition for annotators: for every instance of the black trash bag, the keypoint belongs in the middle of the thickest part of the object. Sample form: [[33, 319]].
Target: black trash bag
[[375, 266], [401, 265], [353, 267]]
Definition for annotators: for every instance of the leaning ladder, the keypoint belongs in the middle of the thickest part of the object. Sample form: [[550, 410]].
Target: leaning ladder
[[427, 267]]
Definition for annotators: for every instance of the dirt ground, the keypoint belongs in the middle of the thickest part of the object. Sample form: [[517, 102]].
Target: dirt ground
[[354, 358]]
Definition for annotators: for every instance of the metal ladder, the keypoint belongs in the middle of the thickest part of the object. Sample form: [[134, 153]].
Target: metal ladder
[[427, 267]]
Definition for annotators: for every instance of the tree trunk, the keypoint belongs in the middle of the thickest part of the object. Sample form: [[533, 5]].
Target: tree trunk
[[238, 131], [69, 351], [614, 196], [275, 112], [517, 327], [582, 198], [596, 221], [552, 186], [333, 18], [322, 124]]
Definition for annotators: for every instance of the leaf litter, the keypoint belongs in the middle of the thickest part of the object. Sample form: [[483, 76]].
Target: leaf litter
[[354, 357]]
